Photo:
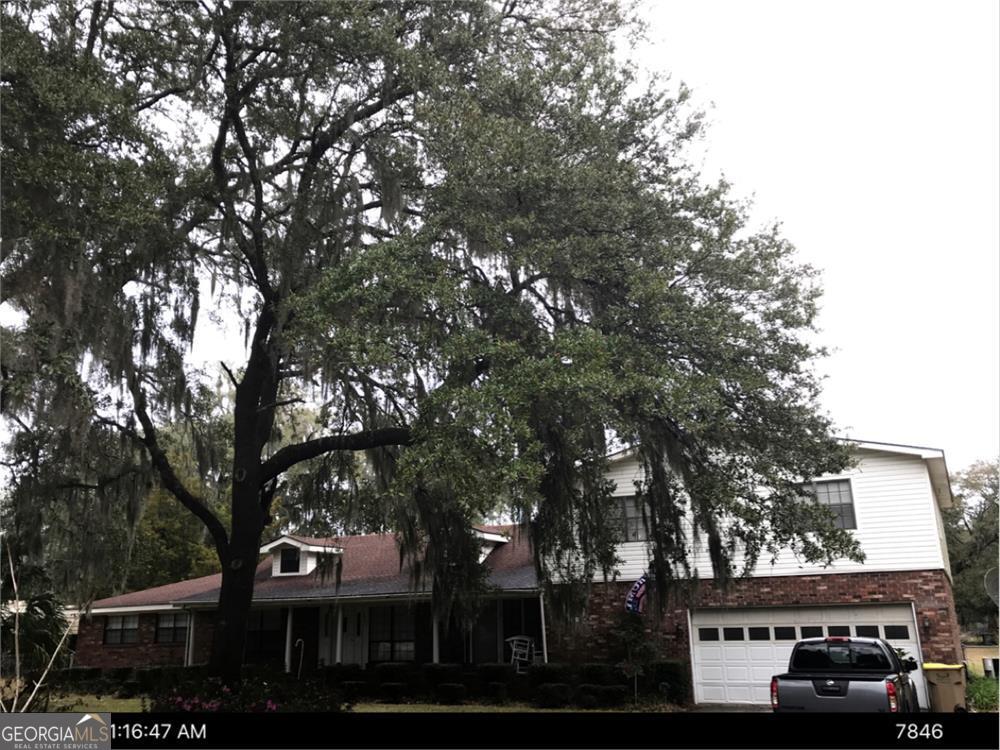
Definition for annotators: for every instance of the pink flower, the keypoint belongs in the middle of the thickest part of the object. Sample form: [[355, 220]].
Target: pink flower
[[271, 705]]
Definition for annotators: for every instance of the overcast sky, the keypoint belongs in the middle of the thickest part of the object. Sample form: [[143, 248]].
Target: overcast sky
[[870, 130]]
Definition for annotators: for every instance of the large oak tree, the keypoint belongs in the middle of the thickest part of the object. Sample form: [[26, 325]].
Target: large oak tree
[[464, 231]]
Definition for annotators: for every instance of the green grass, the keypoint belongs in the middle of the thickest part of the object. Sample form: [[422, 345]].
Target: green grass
[[435, 708], [80, 702], [982, 694]]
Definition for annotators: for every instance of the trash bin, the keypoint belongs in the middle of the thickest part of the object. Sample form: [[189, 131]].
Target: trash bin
[[946, 685]]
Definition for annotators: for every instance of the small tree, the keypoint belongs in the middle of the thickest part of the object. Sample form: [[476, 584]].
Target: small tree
[[33, 630]]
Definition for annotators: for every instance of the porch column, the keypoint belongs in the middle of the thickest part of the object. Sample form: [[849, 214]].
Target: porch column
[[545, 645], [288, 641], [340, 634], [189, 648], [436, 644]]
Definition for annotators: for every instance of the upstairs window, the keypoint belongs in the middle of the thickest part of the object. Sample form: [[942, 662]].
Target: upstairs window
[[290, 560], [121, 629], [171, 628], [836, 496], [633, 528]]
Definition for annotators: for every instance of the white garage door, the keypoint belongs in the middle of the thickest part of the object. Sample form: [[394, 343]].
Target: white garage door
[[735, 652]]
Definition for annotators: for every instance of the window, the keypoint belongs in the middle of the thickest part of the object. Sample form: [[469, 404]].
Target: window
[[759, 634], [836, 496], [784, 633], [290, 560], [708, 634], [171, 628], [732, 634], [836, 657], [897, 632], [265, 635], [838, 630], [121, 629], [866, 631], [391, 634], [632, 526], [812, 631]]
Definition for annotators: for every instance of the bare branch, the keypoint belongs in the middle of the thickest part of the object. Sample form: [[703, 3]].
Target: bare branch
[[290, 455]]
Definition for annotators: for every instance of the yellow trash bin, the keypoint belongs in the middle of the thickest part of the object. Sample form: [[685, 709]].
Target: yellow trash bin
[[946, 685]]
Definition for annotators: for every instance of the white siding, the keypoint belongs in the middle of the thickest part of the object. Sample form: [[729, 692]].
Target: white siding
[[898, 522]]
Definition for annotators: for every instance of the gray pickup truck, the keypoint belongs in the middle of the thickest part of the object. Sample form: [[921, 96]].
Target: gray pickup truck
[[845, 674]]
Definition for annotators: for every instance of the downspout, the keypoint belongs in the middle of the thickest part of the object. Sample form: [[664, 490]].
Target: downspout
[[339, 654], [435, 642], [288, 641], [545, 643], [188, 641]]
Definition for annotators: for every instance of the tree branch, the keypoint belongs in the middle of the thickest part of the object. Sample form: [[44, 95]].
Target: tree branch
[[290, 455], [167, 475]]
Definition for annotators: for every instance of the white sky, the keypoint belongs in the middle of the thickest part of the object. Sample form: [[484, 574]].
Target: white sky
[[870, 129]]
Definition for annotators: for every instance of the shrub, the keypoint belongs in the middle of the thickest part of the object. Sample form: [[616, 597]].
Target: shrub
[[436, 674], [496, 672], [541, 674], [392, 692], [600, 674], [450, 693], [250, 696], [394, 672], [672, 680], [982, 694], [612, 696], [552, 695], [355, 689], [495, 692], [119, 674], [336, 674], [74, 676], [586, 695]]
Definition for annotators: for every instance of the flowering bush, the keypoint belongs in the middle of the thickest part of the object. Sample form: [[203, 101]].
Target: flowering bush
[[250, 696]]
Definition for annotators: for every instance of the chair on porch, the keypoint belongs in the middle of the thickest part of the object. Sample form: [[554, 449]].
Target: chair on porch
[[522, 651]]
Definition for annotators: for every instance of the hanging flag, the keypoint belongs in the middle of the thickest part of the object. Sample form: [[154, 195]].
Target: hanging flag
[[636, 599]]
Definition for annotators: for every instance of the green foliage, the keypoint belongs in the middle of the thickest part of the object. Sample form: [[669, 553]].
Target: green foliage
[[463, 231], [552, 695], [208, 695], [982, 694], [972, 532], [41, 626], [169, 546]]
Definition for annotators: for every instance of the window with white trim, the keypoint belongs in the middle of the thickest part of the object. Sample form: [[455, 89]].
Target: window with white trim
[[121, 629], [172, 627], [290, 560], [630, 521], [835, 495]]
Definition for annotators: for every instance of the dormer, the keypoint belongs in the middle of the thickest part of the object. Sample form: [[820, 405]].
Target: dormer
[[297, 556], [488, 541]]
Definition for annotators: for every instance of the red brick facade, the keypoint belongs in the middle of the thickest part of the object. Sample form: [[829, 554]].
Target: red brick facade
[[594, 636], [92, 651]]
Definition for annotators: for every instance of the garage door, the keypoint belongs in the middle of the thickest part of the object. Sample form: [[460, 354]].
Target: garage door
[[735, 652]]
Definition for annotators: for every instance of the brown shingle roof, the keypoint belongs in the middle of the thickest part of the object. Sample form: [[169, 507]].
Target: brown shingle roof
[[370, 567]]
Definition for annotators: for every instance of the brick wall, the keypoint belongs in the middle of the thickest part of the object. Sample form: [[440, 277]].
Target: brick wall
[[204, 629], [91, 651], [593, 636]]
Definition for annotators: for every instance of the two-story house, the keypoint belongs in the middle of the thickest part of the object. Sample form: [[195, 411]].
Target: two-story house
[[734, 638]]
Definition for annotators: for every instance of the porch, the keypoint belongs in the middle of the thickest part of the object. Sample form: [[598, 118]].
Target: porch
[[301, 638]]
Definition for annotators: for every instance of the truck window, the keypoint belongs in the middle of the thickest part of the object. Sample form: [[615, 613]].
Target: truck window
[[839, 657]]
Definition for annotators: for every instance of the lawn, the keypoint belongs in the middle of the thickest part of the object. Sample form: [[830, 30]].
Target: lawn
[[436, 708], [77, 702], [106, 703]]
